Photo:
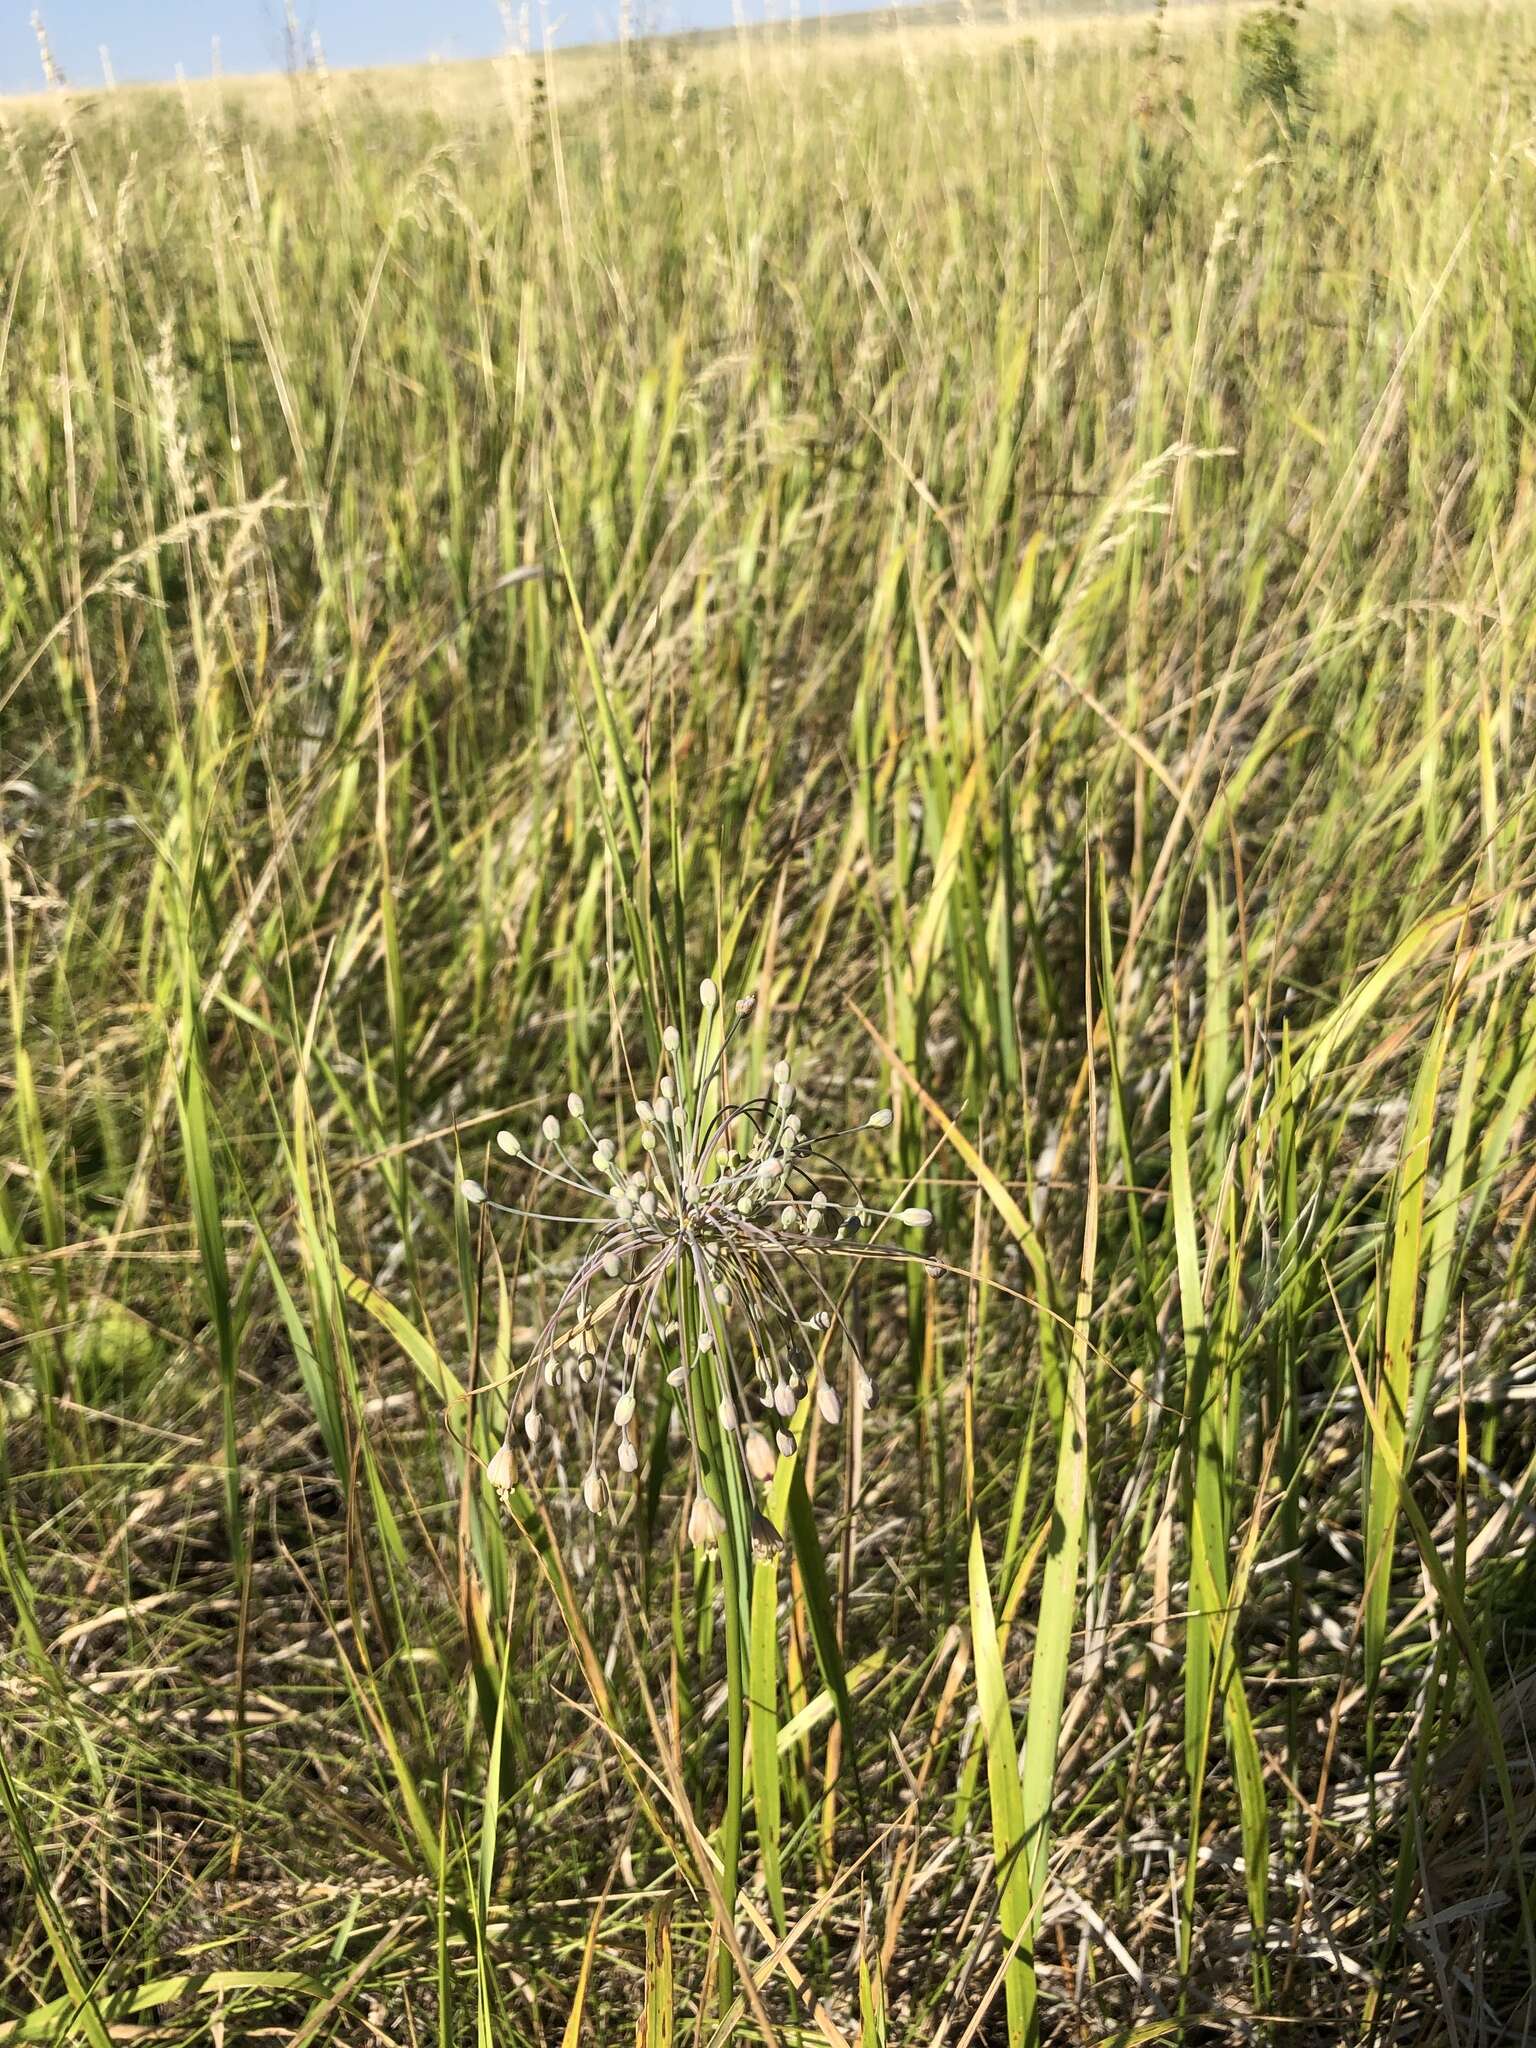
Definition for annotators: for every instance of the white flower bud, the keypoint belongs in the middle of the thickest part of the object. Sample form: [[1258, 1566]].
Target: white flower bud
[[533, 1422], [472, 1192], [829, 1404], [761, 1462], [785, 1442], [881, 1120], [784, 1399], [729, 1420], [575, 1105], [509, 1142], [623, 1408], [706, 1524], [643, 1110], [671, 1038], [866, 1389], [745, 1005], [709, 995], [613, 1265], [664, 1088], [678, 1377], [629, 1457], [501, 1472], [785, 1093], [706, 1339], [551, 1128], [781, 1072], [917, 1219], [722, 1294], [593, 1491]]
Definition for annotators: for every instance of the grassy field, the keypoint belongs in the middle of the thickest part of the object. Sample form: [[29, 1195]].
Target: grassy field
[[1016, 553]]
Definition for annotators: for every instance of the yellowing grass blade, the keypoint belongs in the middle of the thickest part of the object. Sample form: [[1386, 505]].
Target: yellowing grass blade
[[1058, 1585], [1394, 1376], [945, 869], [763, 1727], [656, 2024], [572, 2034], [1211, 1671], [1008, 1845]]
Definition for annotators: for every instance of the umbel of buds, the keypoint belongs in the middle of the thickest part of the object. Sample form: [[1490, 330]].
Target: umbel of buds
[[705, 1226]]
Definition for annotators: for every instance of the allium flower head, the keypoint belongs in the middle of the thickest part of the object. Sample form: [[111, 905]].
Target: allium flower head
[[705, 1227]]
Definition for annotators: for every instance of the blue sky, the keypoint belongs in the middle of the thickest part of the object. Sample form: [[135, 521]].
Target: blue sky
[[148, 38]]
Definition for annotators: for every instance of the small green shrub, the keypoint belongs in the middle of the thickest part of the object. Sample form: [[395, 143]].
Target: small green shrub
[[1272, 71]]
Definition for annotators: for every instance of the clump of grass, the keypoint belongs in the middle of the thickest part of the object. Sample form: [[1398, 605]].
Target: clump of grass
[[1272, 68]]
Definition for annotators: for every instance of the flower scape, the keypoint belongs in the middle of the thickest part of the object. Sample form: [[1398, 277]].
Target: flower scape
[[707, 1270]]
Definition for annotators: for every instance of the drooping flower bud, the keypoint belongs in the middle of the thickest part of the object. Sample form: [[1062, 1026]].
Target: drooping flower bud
[[761, 1462], [501, 1472], [706, 1524], [472, 1192], [594, 1491], [766, 1540], [533, 1422], [828, 1402], [629, 1457]]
